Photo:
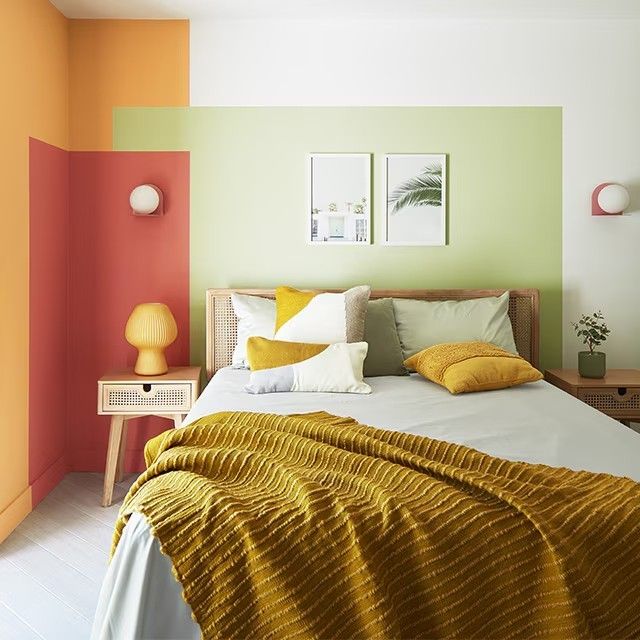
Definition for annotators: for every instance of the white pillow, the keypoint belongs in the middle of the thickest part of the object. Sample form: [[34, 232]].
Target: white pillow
[[256, 317], [423, 323], [337, 369], [321, 318]]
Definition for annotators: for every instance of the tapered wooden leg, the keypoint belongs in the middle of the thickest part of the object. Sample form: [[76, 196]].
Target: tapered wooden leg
[[122, 452], [115, 440], [177, 419]]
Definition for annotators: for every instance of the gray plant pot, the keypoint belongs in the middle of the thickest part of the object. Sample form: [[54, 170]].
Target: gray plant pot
[[592, 365]]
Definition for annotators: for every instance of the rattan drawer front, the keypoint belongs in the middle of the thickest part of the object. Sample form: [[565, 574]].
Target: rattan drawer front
[[152, 397], [622, 402]]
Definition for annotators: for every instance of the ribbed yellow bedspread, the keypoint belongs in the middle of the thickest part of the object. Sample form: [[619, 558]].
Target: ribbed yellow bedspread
[[314, 526]]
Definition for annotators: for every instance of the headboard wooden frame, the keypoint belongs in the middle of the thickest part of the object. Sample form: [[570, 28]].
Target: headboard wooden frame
[[221, 328]]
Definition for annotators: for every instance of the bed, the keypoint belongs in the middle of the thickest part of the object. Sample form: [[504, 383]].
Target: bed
[[535, 423]]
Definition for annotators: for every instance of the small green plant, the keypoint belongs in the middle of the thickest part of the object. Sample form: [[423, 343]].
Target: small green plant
[[592, 329]]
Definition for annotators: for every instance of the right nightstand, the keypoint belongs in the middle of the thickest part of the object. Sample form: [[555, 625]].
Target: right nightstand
[[617, 394]]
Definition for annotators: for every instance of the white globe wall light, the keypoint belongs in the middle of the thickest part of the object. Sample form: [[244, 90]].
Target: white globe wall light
[[146, 200], [609, 199]]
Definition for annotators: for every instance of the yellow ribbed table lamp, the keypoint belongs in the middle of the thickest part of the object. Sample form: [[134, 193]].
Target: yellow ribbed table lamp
[[151, 328]]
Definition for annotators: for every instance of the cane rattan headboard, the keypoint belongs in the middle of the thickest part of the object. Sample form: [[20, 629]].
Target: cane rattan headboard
[[222, 323]]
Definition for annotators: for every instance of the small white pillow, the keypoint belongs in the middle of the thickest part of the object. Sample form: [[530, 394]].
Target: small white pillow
[[337, 369], [256, 317]]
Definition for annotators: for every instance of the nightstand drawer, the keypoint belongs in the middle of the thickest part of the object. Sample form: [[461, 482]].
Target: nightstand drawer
[[620, 402], [140, 397]]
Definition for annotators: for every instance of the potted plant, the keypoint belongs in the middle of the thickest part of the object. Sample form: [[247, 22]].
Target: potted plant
[[593, 331]]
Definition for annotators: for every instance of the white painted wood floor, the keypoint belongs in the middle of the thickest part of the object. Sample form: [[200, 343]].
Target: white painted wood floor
[[52, 565]]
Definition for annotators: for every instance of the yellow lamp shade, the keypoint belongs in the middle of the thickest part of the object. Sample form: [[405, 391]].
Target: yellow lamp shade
[[151, 328]]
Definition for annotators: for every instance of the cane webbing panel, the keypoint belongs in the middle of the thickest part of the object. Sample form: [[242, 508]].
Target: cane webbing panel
[[625, 401], [135, 397], [222, 324]]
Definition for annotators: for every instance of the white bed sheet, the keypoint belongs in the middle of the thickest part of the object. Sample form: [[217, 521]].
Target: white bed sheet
[[534, 423]]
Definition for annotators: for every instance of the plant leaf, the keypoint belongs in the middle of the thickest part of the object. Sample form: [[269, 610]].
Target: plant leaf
[[421, 191]]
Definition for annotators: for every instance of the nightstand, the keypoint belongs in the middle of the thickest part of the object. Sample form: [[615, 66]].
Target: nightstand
[[123, 395], [617, 394]]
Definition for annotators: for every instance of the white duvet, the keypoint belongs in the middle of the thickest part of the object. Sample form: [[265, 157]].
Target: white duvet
[[536, 422]]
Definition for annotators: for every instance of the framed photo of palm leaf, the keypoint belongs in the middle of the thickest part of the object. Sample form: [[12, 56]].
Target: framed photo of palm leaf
[[415, 199]]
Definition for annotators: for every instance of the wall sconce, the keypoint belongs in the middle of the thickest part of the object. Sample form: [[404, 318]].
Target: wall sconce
[[146, 200], [609, 199]]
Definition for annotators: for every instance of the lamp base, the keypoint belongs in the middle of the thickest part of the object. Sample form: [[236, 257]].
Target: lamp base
[[151, 362]]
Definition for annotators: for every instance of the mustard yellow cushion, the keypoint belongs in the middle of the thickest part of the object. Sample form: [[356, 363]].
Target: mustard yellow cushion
[[263, 353], [462, 367]]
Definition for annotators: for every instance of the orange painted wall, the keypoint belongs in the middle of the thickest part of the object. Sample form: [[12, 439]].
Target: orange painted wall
[[123, 63], [34, 64], [60, 81]]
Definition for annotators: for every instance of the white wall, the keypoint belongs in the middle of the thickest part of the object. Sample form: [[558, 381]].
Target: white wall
[[590, 68]]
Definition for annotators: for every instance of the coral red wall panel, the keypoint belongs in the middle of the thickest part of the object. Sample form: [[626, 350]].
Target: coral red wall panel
[[48, 314], [118, 260]]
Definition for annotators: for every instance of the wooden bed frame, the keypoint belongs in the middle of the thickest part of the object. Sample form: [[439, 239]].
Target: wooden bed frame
[[222, 324]]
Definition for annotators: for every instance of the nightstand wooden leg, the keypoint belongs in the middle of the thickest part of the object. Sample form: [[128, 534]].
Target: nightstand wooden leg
[[115, 440], [122, 452], [177, 419]]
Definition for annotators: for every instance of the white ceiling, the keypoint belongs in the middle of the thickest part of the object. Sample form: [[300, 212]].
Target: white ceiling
[[350, 9]]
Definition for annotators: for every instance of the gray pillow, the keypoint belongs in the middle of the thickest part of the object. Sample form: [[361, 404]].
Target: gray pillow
[[422, 323], [385, 357]]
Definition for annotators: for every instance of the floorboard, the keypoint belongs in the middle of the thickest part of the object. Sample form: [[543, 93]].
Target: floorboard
[[78, 522], [84, 557], [12, 627], [52, 565], [51, 572], [40, 608]]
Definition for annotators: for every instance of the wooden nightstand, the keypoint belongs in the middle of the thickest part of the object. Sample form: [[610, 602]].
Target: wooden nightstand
[[124, 395], [617, 394]]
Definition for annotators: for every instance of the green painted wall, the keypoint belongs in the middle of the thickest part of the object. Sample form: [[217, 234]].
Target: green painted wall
[[248, 194]]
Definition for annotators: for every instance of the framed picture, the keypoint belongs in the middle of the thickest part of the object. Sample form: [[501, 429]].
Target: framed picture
[[339, 202], [415, 199]]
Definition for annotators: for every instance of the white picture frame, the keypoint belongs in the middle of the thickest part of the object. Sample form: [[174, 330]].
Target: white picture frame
[[338, 199], [418, 222]]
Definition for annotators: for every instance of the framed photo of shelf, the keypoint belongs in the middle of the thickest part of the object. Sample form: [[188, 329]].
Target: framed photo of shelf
[[339, 199]]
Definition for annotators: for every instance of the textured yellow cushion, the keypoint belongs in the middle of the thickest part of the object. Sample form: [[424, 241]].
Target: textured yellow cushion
[[462, 367], [267, 354]]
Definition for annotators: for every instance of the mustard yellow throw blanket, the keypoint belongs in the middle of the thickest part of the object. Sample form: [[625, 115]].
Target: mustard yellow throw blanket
[[314, 526]]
